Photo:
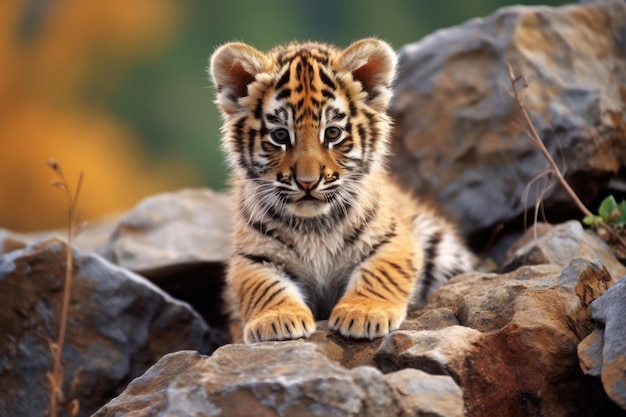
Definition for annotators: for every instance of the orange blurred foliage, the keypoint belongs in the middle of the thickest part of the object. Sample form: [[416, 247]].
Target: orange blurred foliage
[[50, 55]]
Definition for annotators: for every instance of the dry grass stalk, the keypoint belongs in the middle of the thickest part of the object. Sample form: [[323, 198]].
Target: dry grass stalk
[[55, 378], [554, 168]]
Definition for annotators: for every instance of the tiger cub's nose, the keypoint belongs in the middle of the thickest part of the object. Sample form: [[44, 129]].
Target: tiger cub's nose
[[307, 183]]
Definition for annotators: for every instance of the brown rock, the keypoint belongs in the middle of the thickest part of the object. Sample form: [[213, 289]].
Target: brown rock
[[517, 353], [278, 378], [458, 136], [119, 325], [351, 353]]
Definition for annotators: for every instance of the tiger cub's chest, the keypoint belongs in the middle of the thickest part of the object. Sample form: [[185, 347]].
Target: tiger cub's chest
[[311, 258]]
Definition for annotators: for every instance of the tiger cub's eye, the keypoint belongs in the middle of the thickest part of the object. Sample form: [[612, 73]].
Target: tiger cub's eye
[[332, 135], [280, 137]]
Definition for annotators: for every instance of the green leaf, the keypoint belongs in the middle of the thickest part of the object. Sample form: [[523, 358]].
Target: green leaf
[[607, 207], [621, 221], [592, 220]]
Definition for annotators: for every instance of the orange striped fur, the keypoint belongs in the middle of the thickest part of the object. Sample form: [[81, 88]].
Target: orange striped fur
[[322, 231]]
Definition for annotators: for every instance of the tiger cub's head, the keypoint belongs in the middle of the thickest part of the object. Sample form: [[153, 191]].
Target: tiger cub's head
[[304, 124]]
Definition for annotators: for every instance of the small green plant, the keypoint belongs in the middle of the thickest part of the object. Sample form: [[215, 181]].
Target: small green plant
[[610, 212]]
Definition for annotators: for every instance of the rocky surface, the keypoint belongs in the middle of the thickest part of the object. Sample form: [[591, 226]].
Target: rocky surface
[[603, 353], [544, 337], [515, 351], [120, 324], [508, 340], [290, 379], [458, 137]]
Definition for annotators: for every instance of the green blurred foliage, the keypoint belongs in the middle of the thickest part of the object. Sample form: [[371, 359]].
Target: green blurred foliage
[[169, 100]]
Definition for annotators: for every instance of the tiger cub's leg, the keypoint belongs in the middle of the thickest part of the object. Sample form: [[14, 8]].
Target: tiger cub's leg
[[379, 290], [271, 306]]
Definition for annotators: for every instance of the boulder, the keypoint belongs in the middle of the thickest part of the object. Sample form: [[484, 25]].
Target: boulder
[[172, 229], [603, 353], [514, 352], [560, 244], [458, 137], [280, 378], [119, 325], [179, 241]]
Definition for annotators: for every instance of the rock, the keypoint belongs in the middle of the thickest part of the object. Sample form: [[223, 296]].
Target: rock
[[458, 136], [559, 245], [179, 241], [515, 351], [432, 395], [290, 379], [119, 325], [603, 353], [351, 353], [173, 229], [92, 237], [432, 351]]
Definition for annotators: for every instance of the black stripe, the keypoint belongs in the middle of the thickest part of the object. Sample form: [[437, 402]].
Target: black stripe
[[393, 282], [398, 268], [430, 253], [371, 291], [284, 79], [352, 108], [386, 238], [239, 134], [356, 233], [380, 280], [271, 297], [244, 295], [283, 94], [258, 110], [257, 259], [326, 79], [254, 301], [328, 94]]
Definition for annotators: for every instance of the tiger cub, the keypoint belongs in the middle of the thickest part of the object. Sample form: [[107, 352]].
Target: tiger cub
[[321, 229]]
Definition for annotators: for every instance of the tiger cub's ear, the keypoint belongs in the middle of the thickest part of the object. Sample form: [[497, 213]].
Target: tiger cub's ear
[[232, 67], [372, 62]]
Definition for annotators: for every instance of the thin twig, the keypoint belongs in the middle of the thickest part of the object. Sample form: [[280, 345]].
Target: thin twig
[[539, 143], [56, 378], [536, 139]]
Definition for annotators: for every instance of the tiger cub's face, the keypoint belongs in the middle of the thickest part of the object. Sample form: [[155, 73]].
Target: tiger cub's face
[[305, 124]]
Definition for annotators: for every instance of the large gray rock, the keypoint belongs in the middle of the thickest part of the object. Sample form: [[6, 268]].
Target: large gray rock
[[119, 325], [180, 241], [603, 353], [173, 229], [458, 136], [280, 379]]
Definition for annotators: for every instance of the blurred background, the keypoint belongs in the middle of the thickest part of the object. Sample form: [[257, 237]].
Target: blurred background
[[119, 90]]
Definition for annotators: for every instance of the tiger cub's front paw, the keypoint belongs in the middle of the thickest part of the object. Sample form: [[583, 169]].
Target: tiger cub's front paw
[[363, 318], [285, 323]]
